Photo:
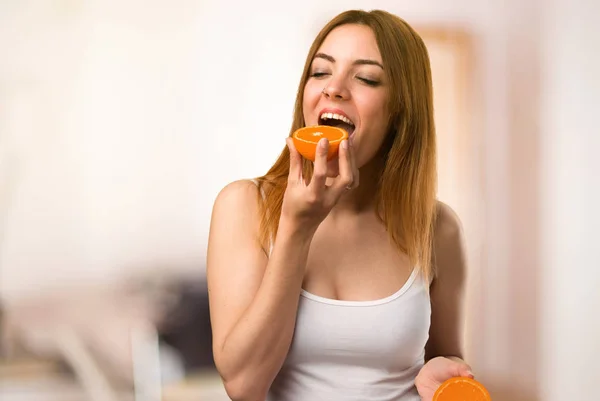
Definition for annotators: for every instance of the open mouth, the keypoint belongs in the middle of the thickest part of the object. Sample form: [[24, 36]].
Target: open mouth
[[337, 120]]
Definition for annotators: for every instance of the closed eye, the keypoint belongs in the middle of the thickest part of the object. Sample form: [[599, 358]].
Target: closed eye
[[318, 74], [369, 81]]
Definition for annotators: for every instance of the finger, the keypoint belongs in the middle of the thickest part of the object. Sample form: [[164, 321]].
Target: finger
[[345, 180], [461, 369], [317, 182], [465, 371], [295, 173], [355, 171]]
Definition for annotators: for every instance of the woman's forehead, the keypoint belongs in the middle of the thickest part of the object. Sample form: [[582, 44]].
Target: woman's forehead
[[351, 42]]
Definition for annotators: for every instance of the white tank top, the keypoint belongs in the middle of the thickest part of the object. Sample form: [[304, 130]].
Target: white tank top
[[357, 350]]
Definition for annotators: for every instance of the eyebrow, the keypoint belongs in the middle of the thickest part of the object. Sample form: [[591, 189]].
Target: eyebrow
[[356, 62]]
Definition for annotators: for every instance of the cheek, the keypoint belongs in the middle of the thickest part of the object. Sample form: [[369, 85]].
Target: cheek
[[373, 109], [311, 98], [377, 115], [374, 121]]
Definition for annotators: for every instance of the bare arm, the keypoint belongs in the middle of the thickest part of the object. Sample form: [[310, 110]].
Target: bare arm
[[447, 289], [253, 300], [444, 350]]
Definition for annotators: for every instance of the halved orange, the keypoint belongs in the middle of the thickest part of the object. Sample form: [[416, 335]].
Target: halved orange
[[306, 139], [461, 389]]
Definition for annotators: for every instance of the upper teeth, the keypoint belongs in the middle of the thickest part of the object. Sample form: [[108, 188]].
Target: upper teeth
[[334, 116]]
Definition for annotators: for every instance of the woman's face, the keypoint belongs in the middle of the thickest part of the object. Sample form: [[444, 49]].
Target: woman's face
[[347, 87]]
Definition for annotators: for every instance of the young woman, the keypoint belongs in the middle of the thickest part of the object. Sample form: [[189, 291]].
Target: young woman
[[343, 280]]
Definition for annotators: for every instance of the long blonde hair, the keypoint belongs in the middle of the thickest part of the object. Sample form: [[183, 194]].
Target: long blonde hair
[[406, 192]]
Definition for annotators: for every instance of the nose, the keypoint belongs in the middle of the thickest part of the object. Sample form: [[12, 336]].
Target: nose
[[335, 89]]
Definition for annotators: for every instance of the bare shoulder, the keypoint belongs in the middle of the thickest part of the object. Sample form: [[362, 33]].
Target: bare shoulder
[[235, 216], [234, 221], [448, 242], [448, 222], [240, 195]]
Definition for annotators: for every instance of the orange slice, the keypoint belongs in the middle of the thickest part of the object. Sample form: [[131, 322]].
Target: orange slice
[[461, 389], [306, 139]]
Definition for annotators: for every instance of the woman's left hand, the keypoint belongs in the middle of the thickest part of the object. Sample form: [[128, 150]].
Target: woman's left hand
[[436, 371]]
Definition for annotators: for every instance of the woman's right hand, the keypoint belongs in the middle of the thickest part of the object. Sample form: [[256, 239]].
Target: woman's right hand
[[307, 204]]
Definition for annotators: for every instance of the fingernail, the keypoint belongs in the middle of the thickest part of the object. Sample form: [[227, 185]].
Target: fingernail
[[323, 143], [469, 373], [344, 144]]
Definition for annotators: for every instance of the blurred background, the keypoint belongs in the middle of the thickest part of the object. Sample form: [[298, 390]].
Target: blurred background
[[121, 120]]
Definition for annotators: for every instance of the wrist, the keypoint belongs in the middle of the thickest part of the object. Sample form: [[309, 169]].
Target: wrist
[[297, 231], [292, 243]]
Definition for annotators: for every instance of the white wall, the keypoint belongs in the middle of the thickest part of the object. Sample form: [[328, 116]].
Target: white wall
[[571, 208], [120, 121], [143, 111], [103, 126]]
